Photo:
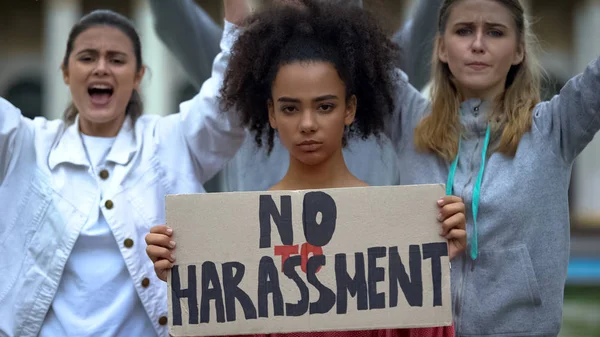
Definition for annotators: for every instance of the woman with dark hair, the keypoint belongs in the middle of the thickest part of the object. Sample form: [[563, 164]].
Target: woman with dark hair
[[80, 194], [322, 74], [193, 38]]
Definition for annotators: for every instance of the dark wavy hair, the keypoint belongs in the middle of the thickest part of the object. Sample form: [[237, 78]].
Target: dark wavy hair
[[346, 36]]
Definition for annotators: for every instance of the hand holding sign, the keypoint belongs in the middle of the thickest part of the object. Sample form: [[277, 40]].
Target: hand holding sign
[[452, 216], [339, 259], [160, 243], [160, 250]]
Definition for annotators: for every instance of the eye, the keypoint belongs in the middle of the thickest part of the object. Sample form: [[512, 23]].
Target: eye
[[289, 109], [463, 31], [496, 33], [86, 58], [326, 107], [117, 61]]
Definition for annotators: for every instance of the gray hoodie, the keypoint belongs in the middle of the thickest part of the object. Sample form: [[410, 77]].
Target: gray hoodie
[[193, 38], [515, 285]]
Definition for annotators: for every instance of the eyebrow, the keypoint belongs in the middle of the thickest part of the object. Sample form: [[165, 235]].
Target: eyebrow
[[95, 51], [295, 100], [489, 24]]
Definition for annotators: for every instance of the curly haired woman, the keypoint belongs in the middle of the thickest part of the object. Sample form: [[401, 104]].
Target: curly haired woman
[[315, 74]]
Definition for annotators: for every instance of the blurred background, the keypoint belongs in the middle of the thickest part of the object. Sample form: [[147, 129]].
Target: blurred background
[[33, 37]]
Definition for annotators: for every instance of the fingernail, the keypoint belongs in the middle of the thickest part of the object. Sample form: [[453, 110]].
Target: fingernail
[[172, 258], [169, 230], [172, 244], [440, 202], [439, 217]]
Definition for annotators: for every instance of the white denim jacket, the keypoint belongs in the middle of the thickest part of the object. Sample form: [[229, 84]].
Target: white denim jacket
[[47, 190]]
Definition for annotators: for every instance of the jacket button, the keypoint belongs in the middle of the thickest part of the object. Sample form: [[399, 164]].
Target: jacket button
[[128, 243], [104, 174], [145, 282], [163, 320], [109, 204]]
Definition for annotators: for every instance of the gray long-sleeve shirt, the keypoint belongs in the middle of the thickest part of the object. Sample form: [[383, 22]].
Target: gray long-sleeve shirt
[[193, 38], [515, 286]]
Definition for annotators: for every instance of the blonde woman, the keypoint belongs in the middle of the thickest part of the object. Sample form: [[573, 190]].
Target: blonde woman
[[507, 155]]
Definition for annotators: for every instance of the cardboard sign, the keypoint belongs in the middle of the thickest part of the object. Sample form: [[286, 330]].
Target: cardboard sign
[[294, 261]]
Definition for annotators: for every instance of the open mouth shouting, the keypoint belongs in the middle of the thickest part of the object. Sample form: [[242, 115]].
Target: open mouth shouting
[[100, 94]]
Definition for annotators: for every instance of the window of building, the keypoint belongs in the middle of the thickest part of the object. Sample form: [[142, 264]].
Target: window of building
[[26, 94]]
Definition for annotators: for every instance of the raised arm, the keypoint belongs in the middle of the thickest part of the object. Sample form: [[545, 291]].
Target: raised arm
[[572, 118], [15, 130], [411, 107], [190, 34], [416, 39], [200, 129]]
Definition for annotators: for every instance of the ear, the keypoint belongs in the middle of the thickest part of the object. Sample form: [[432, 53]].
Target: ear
[[441, 50], [138, 78], [65, 73], [519, 54], [350, 110], [271, 109]]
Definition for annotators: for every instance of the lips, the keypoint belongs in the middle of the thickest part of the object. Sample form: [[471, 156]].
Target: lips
[[100, 93], [478, 65], [309, 142], [310, 145]]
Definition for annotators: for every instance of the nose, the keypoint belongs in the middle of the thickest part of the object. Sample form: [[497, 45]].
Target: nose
[[478, 46], [101, 67], [308, 122]]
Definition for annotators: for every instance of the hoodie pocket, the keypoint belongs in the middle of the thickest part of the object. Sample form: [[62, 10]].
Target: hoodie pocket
[[500, 294]]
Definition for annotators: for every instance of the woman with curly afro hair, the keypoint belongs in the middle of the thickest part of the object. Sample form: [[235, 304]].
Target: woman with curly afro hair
[[315, 79], [314, 74]]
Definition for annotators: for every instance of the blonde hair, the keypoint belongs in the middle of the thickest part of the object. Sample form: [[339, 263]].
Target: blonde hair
[[439, 132]]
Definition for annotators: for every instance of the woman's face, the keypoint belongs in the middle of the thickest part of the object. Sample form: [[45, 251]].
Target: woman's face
[[102, 74], [310, 111], [480, 44]]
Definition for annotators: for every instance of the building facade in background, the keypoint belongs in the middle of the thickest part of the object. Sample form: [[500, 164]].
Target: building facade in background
[[33, 38]]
